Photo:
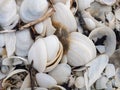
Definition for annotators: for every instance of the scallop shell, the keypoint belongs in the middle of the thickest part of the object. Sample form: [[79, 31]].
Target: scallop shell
[[45, 80], [31, 10]]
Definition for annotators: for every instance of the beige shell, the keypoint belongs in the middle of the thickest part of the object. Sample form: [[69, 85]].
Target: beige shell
[[64, 17], [79, 43]]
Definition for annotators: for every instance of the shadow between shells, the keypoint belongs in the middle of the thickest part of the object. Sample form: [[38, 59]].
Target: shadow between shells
[[59, 45]]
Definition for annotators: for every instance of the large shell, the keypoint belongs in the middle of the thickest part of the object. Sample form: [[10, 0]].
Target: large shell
[[64, 17], [110, 37], [8, 14], [31, 10], [79, 43]]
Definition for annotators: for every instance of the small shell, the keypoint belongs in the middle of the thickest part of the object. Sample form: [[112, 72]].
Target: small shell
[[39, 28], [101, 82], [80, 82], [45, 80], [110, 36], [62, 71], [96, 68], [32, 10]]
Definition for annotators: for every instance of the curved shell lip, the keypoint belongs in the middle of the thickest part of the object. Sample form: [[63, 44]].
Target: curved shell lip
[[58, 58]]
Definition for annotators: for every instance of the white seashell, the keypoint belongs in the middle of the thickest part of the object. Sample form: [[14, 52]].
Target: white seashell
[[2, 40], [63, 71], [110, 71], [8, 14], [32, 10], [107, 2], [101, 48], [117, 77], [84, 4], [117, 14], [90, 24], [39, 28], [23, 43], [62, 1], [57, 87], [109, 85], [101, 82], [45, 80], [64, 59], [80, 82], [36, 88], [4, 69], [110, 36], [96, 68], [64, 17], [79, 43], [10, 42]]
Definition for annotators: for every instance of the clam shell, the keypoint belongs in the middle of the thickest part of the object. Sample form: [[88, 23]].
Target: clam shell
[[96, 67], [64, 17], [102, 31], [45, 80], [78, 44], [32, 10], [62, 71]]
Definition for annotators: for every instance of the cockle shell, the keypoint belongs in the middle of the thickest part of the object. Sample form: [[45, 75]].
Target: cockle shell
[[64, 17], [23, 42], [45, 80], [43, 54], [62, 71], [31, 10], [79, 43], [8, 14], [110, 36]]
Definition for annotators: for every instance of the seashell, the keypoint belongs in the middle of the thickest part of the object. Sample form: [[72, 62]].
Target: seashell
[[32, 10], [42, 52], [117, 14], [117, 77], [10, 42], [101, 83], [101, 48], [109, 85], [57, 1], [23, 43], [110, 71], [14, 60], [78, 44], [82, 5], [107, 2], [110, 36], [8, 14], [64, 75], [64, 59], [80, 82], [96, 68], [57, 87], [2, 40], [39, 28], [45, 80], [36, 88], [4, 69], [64, 17], [90, 24]]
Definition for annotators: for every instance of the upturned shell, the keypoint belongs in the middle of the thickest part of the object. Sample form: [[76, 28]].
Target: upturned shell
[[45, 80], [79, 43]]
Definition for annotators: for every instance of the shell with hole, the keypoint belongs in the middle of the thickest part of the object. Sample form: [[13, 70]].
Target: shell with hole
[[8, 14], [108, 34], [23, 42], [43, 54], [31, 10], [63, 71], [79, 43], [45, 80], [64, 17]]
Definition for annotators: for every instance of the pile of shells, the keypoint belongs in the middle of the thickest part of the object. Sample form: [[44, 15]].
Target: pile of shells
[[59, 44]]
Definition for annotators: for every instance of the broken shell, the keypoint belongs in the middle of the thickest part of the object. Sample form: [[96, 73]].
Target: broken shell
[[84, 4], [41, 54], [32, 10], [117, 14], [23, 43], [101, 83], [107, 2], [96, 67], [45, 80], [62, 71], [110, 36], [79, 43], [80, 82], [8, 14], [64, 17], [110, 71]]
